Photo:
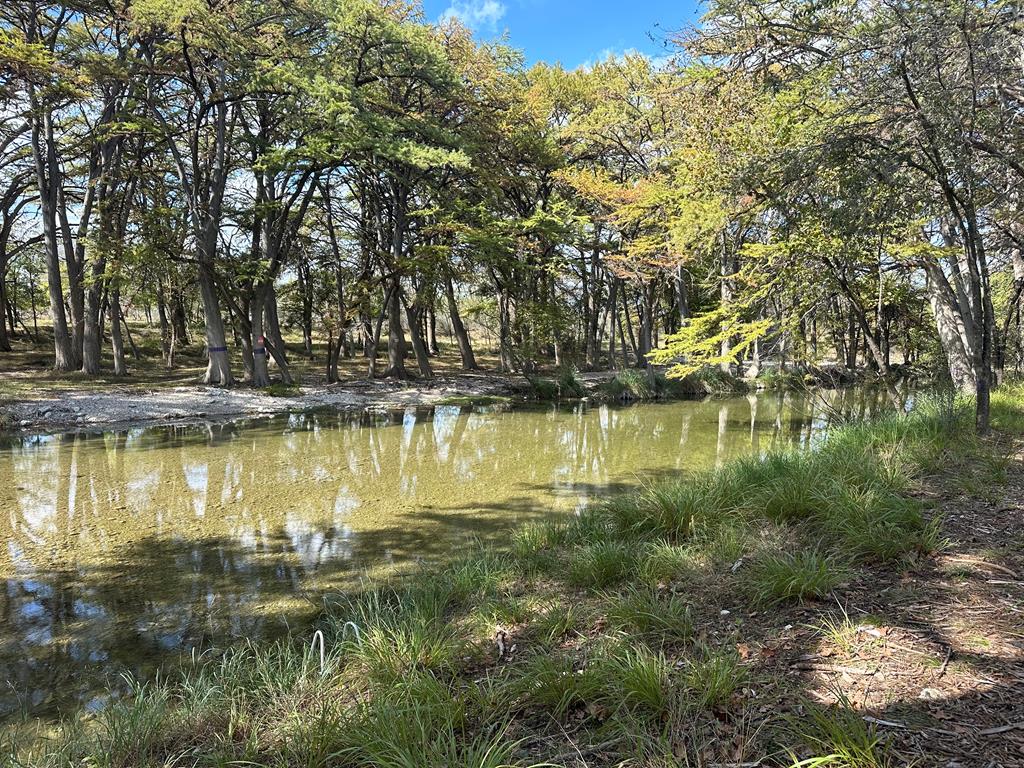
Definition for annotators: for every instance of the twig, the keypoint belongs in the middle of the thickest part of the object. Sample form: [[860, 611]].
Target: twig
[[1002, 729], [984, 564], [833, 668], [945, 662], [887, 723]]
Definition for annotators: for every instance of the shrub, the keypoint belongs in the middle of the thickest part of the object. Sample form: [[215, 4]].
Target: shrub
[[543, 389], [569, 383]]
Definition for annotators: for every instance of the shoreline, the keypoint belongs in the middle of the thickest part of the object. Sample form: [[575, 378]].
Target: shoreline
[[789, 608], [74, 410], [132, 404]]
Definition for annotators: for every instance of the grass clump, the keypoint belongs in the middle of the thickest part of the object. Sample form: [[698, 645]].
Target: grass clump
[[567, 384], [558, 621], [647, 613], [665, 510], [662, 563], [839, 737], [570, 385], [556, 683], [711, 681], [634, 384], [542, 389], [473, 401], [601, 565], [780, 576], [635, 679]]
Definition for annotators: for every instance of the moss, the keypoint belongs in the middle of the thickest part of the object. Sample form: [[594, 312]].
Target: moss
[[280, 389]]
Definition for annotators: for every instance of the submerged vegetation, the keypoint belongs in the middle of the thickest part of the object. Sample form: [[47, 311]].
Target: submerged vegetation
[[611, 627]]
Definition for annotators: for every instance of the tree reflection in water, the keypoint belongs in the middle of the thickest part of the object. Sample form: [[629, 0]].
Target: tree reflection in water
[[127, 549]]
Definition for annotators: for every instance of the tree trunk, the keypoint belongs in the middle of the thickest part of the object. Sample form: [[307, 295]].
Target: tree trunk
[[950, 329], [218, 369], [46, 182], [260, 374], [92, 338], [432, 332], [165, 326], [396, 336], [5, 341], [414, 315], [116, 342], [459, 329]]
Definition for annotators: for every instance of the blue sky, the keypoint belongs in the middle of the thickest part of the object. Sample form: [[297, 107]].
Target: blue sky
[[573, 32]]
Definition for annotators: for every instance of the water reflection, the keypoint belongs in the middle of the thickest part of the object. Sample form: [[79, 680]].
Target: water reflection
[[126, 548]]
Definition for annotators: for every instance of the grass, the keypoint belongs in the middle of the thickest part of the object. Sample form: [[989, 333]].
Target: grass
[[647, 613], [280, 389], [601, 564], [784, 576], [613, 633], [838, 737], [711, 681]]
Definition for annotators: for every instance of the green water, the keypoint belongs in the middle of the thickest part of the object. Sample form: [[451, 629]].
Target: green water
[[127, 549]]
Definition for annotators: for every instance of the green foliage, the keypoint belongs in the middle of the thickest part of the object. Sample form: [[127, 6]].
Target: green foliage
[[636, 679], [570, 384], [840, 737], [280, 389], [662, 563], [663, 509], [543, 389], [556, 683], [648, 613], [711, 680], [779, 577], [601, 565]]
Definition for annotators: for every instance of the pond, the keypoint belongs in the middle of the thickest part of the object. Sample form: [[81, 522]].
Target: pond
[[126, 550]]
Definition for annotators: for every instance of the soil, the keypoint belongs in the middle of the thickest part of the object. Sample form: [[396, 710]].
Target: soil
[[933, 657]]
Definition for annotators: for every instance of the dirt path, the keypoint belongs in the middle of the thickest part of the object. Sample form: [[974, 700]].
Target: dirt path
[[114, 407]]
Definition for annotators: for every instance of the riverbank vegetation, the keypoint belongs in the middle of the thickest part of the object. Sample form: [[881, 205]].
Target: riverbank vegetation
[[724, 617], [793, 185]]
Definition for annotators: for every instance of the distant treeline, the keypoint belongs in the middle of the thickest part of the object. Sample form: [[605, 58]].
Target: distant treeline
[[795, 181]]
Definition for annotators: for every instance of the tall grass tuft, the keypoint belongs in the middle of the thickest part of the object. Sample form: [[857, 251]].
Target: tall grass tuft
[[782, 576], [666, 510], [839, 737], [711, 681], [601, 565], [636, 679], [555, 683], [646, 613]]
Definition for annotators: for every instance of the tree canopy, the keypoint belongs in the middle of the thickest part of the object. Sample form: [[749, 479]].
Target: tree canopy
[[799, 184]]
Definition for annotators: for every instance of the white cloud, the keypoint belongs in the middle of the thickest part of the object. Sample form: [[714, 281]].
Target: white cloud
[[476, 14], [660, 61]]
